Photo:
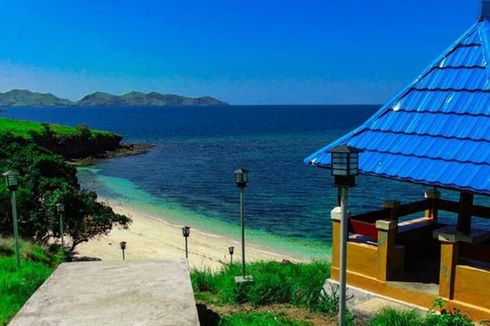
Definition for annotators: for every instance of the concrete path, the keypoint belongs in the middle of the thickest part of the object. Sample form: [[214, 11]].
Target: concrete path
[[113, 293]]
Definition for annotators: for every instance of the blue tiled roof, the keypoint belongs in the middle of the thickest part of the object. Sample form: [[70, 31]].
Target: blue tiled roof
[[437, 130]]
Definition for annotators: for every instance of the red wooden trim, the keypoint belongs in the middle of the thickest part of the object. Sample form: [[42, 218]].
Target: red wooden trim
[[363, 228], [372, 217]]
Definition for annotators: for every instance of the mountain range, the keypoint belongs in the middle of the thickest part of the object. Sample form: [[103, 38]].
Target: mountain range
[[20, 97]]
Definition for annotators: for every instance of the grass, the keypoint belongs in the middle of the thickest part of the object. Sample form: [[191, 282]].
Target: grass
[[275, 285], [23, 129], [17, 285]]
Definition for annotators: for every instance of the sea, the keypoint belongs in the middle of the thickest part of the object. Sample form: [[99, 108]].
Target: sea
[[187, 177]]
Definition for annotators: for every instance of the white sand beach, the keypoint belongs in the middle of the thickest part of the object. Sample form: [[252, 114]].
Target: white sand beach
[[152, 237]]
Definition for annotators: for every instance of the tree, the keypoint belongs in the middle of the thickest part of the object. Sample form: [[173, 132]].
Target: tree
[[45, 180]]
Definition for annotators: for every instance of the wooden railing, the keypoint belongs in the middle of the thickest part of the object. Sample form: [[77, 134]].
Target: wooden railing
[[365, 224]]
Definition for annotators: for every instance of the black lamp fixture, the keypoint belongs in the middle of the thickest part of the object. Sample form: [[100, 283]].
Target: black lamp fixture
[[186, 231], [60, 208], [241, 178], [231, 251], [122, 244], [11, 180], [345, 165]]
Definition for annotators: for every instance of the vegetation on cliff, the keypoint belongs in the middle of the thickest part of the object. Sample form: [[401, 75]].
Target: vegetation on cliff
[[70, 142], [17, 97], [45, 180]]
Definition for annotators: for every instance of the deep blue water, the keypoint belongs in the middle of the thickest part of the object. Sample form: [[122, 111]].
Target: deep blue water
[[198, 148]]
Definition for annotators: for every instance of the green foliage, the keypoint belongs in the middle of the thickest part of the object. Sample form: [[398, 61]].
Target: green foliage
[[259, 318], [274, 283], [390, 316], [45, 180], [25, 129], [17, 285], [83, 131]]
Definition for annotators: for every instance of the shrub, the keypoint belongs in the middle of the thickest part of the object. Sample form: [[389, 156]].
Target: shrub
[[390, 316]]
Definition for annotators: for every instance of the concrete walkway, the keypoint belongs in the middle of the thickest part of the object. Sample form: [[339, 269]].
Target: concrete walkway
[[113, 293]]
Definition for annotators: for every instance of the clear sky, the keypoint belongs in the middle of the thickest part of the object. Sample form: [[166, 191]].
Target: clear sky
[[244, 52]]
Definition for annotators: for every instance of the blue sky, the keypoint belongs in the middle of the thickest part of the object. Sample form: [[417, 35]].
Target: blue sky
[[244, 52]]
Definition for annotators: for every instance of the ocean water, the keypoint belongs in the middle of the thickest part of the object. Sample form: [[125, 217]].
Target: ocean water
[[188, 176]]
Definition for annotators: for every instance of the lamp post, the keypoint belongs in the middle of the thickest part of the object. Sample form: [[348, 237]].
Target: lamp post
[[11, 180], [231, 250], [345, 167], [241, 179], [122, 244], [186, 231], [60, 208]]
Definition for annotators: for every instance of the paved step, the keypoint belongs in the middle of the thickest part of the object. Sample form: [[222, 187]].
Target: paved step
[[113, 293]]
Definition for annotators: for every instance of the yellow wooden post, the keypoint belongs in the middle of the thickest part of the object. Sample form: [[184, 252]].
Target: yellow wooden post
[[386, 247], [336, 215], [434, 196], [449, 260]]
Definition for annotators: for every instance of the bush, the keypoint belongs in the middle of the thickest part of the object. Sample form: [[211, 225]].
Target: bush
[[390, 316]]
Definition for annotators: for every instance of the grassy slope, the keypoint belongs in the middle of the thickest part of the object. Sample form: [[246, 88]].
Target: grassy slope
[[16, 286], [22, 128], [281, 294]]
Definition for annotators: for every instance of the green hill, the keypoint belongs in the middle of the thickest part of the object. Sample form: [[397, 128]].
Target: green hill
[[22, 97], [145, 99], [27, 98]]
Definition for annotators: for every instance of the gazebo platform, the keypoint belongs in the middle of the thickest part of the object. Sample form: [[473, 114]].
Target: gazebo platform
[[418, 260], [113, 293]]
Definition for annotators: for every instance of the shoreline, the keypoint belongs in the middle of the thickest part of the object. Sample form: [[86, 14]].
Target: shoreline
[[124, 150], [154, 237]]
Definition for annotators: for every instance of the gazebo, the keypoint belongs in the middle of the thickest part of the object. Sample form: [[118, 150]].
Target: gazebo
[[435, 132]]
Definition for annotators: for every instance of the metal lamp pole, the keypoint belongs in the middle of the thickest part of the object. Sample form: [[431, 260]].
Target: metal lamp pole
[[241, 179], [61, 210], [242, 222], [12, 184], [343, 253], [345, 167]]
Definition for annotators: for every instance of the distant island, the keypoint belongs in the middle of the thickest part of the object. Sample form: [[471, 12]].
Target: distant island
[[20, 97]]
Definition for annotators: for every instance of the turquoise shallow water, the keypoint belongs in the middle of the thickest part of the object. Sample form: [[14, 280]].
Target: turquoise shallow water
[[127, 193]]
